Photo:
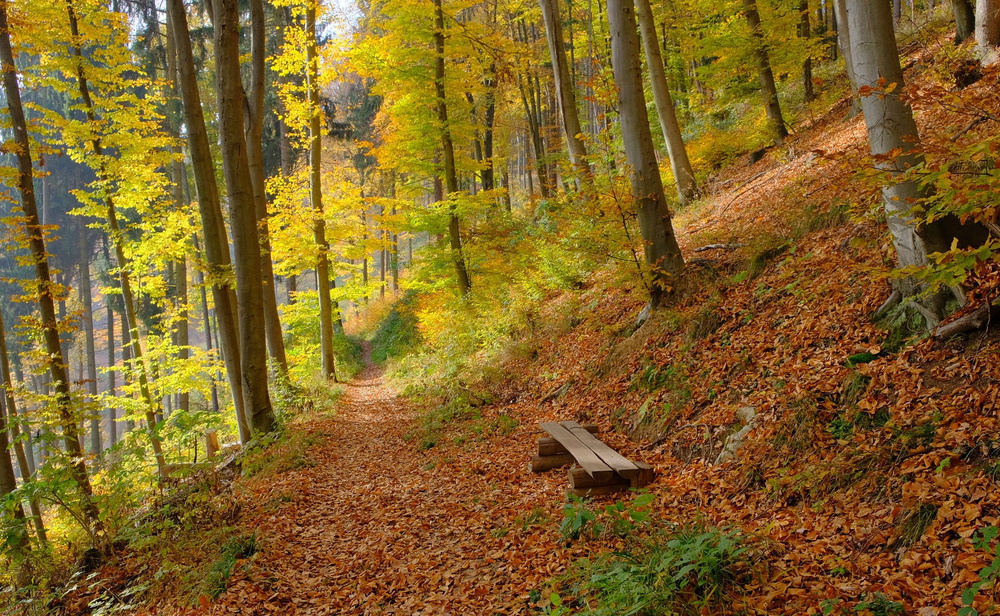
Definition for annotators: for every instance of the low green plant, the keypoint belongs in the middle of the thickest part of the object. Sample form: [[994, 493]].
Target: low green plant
[[684, 570], [229, 554], [576, 517], [985, 539], [620, 518]]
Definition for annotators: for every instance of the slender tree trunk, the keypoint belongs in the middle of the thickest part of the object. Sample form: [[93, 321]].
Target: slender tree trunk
[[565, 88], [891, 128], [112, 420], [44, 289], [24, 467], [965, 19], [987, 30], [243, 217], [213, 223], [807, 66], [86, 300], [662, 252], [687, 188], [116, 233], [450, 175], [764, 73], [255, 154], [897, 11]]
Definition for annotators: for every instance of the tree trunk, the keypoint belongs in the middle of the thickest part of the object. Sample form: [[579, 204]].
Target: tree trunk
[[807, 67], [44, 289], [86, 300], [662, 252], [450, 175], [687, 188], [255, 155], [243, 217], [891, 127], [987, 30], [965, 19], [316, 195], [897, 11], [565, 89], [112, 420], [13, 427], [764, 73], [212, 221]]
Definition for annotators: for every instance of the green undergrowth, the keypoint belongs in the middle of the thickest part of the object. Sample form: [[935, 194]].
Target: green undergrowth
[[232, 551], [396, 335]]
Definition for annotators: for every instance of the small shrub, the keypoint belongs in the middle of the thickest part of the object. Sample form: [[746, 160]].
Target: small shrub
[[231, 552], [985, 539]]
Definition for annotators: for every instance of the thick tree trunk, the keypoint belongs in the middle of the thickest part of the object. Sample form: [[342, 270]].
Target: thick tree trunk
[[662, 252], [44, 289], [891, 127], [86, 300], [450, 174], [255, 154], [316, 195], [687, 188], [565, 88], [764, 73], [213, 223], [242, 214], [988, 30], [965, 20]]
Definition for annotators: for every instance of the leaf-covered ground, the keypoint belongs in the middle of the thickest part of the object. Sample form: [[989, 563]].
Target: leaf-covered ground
[[840, 462]]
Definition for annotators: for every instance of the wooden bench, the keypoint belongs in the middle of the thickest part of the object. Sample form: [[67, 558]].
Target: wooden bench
[[601, 470]]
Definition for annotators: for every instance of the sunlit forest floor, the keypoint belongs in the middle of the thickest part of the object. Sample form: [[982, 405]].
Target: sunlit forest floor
[[869, 466]]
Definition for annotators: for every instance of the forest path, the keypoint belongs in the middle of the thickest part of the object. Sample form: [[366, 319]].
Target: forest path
[[372, 525]]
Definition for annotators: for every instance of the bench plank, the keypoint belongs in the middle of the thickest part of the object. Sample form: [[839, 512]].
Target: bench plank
[[584, 455], [614, 460]]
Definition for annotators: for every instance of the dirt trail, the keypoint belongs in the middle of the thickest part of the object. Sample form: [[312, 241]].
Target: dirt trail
[[375, 526]]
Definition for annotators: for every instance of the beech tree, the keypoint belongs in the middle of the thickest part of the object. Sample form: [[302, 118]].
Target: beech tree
[[891, 128], [663, 255], [988, 30], [765, 74], [965, 19]]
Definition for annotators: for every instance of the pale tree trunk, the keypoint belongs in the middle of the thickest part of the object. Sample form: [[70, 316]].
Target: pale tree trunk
[[255, 154], [844, 43], [86, 300], [965, 19], [987, 30], [24, 467], [450, 174], [118, 238], [216, 242], [112, 420], [662, 252], [211, 438], [43, 289], [764, 73], [891, 127], [316, 196], [565, 89], [243, 217], [687, 188]]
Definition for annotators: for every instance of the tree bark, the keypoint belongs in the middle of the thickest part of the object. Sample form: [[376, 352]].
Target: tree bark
[[687, 188], [255, 156], [890, 127], [764, 73], [316, 195], [212, 221], [112, 420], [86, 300], [242, 214], [662, 252], [987, 30], [565, 88], [965, 20], [807, 70], [44, 289], [450, 174]]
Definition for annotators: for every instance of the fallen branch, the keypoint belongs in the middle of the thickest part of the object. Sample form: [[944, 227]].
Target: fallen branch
[[977, 319], [719, 247], [965, 130]]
